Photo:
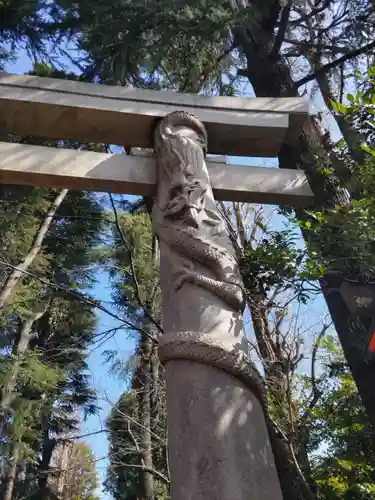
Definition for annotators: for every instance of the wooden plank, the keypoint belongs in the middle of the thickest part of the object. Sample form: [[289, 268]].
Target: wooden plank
[[296, 107], [66, 168], [63, 109]]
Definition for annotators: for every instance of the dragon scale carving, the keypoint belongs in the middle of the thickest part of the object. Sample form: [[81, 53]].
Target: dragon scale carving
[[186, 217], [202, 287]]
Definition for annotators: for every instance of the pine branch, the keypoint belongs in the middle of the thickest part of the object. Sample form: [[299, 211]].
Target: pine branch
[[36, 245], [131, 419]]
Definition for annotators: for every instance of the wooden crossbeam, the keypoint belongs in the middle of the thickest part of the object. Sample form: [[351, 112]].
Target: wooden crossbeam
[[119, 173], [63, 109]]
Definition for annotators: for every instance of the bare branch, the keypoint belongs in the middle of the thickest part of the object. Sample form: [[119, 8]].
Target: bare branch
[[133, 438], [316, 393], [334, 64], [54, 470], [304, 46], [81, 436], [295, 460], [131, 419], [146, 469], [283, 25]]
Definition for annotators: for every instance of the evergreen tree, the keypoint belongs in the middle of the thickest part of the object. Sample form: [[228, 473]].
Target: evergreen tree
[[48, 322], [137, 293]]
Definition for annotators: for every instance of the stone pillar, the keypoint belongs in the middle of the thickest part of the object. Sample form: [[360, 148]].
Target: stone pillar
[[219, 447]]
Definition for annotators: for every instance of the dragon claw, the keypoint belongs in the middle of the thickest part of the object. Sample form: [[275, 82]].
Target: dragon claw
[[181, 277]]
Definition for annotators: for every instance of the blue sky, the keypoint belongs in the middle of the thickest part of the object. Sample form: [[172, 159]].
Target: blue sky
[[108, 386]]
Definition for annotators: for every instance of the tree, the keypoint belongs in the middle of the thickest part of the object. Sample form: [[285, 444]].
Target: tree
[[76, 477], [275, 272], [125, 436], [344, 468], [209, 47], [137, 293], [44, 317]]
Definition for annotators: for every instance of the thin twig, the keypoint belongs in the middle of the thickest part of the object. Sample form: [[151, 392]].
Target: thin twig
[[131, 419], [81, 436], [132, 266], [133, 439], [52, 470], [316, 393], [290, 446]]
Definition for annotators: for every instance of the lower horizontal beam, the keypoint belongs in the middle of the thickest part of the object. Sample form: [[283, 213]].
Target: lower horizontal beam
[[66, 168]]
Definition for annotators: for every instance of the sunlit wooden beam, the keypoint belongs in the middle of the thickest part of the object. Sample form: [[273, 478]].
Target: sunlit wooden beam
[[63, 109], [119, 173]]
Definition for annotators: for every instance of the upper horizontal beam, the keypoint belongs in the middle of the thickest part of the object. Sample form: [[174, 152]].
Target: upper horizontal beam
[[67, 168], [64, 109]]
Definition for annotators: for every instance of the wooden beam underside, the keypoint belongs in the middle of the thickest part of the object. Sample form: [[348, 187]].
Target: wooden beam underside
[[119, 173], [62, 109]]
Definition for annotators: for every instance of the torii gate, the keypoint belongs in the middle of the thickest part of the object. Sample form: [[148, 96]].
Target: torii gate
[[219, 448]]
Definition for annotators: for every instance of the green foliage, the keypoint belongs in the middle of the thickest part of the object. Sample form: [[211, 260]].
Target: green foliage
[[25, 24], [20, 21], [276, 263], [39, 381], [49, 383], [139, 42], [339, 432], [360, 110], [343, 237], [346, 239]]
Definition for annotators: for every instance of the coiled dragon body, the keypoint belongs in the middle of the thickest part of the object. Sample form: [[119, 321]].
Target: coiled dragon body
[[186, 219]]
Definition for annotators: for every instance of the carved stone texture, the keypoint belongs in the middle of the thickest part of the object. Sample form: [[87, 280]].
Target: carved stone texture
[[218, 442]]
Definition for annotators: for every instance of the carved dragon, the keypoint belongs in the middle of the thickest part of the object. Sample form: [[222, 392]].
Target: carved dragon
[[185, 215], [196, 249]]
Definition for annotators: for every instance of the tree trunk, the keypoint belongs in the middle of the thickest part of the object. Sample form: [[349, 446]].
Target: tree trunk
[[351, 136], [65, 456], [20, 346], [146, 483], [270, 77], [44, 467], [11, 473], [17, 274]]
